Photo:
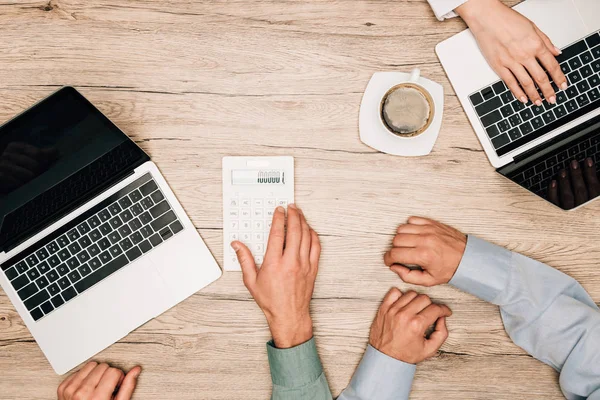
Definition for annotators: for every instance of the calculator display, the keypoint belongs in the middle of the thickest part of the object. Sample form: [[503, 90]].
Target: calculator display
[[257, 177]]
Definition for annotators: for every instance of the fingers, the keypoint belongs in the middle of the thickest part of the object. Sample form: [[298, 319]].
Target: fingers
[[414, 276], [549, 45], [438, 337], [591, 178], [247, 264], [69, 389], [315, 250], [432, 312], [305, 241], [553, 193], [294, 230], [402, 255], [405, 299], [418, 304], [579, 190], [549, 62], [390, 298], [406, 240], [107, 385], [91, 381], [526, 83], [128, 385], [512, 83], [541, 78], [567, 199], [421, 221], [277, 234]]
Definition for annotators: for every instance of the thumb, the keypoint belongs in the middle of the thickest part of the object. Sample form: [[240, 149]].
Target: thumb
[[129, 383], [247, 264], [414, 276], [437, 338]]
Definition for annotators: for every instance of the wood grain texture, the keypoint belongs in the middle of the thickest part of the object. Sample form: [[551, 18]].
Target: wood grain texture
[[193, 81]]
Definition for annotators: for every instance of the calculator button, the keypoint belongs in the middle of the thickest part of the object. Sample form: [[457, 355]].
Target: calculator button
[[258, 213], [268, 227], [234, 259], [258, 202], [258, 237], [245, 202], [258, 260], [258, 248], [245, 225], [234, 225], [233, 203], [270, 203], [233, 236], [246, 237], [282, 202], [234, 213], [258, 225], [245, 213], [270, 213]]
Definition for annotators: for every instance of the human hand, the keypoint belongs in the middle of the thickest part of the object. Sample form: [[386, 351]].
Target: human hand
[[515, 48], [401, 323], [576, 185], [21, 162], [99, 382], [284, 284], [433, 246]]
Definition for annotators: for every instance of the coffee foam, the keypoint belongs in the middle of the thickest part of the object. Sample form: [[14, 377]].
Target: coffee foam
[[406, 111]]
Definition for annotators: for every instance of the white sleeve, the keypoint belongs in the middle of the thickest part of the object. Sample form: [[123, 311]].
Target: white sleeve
[[445, 8]]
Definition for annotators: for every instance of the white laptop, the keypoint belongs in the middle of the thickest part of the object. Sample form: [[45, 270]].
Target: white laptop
[[93, 242], [526, 143]]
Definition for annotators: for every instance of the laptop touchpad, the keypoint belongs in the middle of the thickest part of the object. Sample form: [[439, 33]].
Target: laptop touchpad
[[559, 19], [590, 12]]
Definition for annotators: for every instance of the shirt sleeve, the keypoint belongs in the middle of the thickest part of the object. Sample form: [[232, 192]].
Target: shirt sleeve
[[380, 377], [445, 8], [297, 373], [544, 311]]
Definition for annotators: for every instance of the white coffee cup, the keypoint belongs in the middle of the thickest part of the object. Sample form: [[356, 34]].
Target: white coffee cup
[[374, 131]]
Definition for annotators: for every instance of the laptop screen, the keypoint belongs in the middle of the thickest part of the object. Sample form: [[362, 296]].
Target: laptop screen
[[45, 147]]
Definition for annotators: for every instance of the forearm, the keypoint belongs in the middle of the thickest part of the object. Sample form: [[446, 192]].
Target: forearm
[[297, 373], [544, 311], [380, 377]]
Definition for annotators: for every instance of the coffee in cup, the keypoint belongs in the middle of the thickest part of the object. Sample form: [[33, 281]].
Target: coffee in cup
[[407, 110]]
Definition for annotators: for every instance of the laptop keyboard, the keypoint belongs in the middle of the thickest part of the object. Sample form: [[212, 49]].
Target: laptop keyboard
[[511, 124], [92, 247], [537, 177]]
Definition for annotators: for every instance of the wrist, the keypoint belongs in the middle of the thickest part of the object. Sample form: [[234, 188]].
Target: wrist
[[472, 10], [290, 333]]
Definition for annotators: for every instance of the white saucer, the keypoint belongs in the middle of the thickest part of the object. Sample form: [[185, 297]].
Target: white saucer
[[373, 131]]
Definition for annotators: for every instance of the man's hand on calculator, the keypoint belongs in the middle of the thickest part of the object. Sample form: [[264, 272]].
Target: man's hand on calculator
[[284, 284]]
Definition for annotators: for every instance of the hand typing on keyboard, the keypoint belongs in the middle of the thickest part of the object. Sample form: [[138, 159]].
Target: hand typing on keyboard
[[284, 284], [99, 381], [575, 185], [515, 48], [21, 162]]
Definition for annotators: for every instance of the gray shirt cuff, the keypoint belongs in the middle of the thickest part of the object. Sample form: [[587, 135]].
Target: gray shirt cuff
[[484, 269]]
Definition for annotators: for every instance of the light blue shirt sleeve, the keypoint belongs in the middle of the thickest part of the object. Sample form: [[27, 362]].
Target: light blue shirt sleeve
[[297, 374], [544, 311]]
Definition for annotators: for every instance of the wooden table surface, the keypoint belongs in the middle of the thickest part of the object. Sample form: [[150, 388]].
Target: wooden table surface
[[193, 81]]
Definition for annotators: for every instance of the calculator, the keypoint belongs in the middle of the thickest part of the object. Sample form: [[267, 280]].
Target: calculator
[[252, 188]]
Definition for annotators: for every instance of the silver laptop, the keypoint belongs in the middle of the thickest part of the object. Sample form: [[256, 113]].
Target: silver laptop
[[93, 243], [526, 143]]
